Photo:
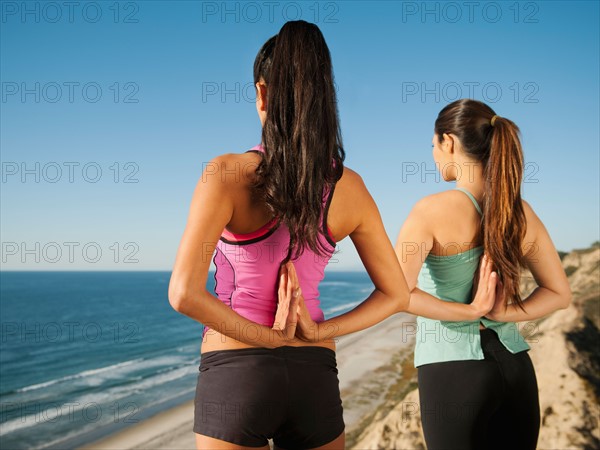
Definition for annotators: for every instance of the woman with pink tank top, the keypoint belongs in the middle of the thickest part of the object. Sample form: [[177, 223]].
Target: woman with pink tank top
[[288, 200]]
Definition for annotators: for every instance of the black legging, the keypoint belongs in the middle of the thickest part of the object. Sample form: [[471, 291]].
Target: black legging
[[481, 404]]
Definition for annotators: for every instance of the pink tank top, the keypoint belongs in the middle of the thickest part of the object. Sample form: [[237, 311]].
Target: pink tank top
[[247, 268]]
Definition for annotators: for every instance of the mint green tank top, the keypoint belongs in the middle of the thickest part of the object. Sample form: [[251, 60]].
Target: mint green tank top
[[450, 278]]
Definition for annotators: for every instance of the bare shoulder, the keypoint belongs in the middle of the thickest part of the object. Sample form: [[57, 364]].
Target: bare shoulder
[[350, 178], [351, 205], [530, 214], [534, 224], [433, 206], [231, 169], [533, 221], [232, 161], [350, 186]]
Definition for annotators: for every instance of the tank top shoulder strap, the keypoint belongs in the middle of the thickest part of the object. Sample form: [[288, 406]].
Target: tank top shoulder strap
[[472, 199], [327, 196], [257, 149]]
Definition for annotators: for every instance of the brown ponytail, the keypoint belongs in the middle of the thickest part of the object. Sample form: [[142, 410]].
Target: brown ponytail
[[301, 134], [498, 148], [504, 217]]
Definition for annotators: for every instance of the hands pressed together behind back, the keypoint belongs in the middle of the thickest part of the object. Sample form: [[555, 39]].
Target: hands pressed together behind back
[[295, 323], [292, 317]]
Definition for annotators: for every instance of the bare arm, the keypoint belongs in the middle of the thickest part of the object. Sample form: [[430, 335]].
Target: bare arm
[[210, 211], [414, 243], [553, 291]]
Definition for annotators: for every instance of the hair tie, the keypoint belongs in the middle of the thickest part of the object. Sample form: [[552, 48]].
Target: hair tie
[[493, 121]]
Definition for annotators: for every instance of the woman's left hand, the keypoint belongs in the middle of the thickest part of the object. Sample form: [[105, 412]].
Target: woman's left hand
[[499, 309], [286, 317]]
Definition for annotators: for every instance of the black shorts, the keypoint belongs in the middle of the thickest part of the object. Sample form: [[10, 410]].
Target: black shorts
[[288, 394]]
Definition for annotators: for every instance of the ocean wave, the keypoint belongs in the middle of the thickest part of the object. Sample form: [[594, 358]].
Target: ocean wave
[[342, 307], [83, 374], [334, 283], [106, 398], [95, 377]]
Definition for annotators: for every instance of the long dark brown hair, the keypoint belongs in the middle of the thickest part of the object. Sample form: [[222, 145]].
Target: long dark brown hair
[[301, 134], [496, 145]]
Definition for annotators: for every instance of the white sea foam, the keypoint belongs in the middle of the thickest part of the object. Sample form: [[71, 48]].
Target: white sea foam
[[83, 374], [95, 377], [102, 400], [334, 283], [342, 307]]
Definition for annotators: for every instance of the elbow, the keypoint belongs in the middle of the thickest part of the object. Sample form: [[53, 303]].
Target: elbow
[[179, 297], [188, 302], [178, 300], [402, 301], [566, 298], [404, 297]]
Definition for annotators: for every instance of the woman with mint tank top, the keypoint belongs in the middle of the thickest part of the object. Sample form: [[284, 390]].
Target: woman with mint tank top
[[289, 199], [477, 385]]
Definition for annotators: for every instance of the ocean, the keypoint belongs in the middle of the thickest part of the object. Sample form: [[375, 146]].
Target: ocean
[[83, 354]]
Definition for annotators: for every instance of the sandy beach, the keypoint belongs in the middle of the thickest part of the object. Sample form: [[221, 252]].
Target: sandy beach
[[364, 360]]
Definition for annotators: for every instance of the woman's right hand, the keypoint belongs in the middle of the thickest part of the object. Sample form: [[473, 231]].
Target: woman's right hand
[[306, 329], [499, 309], [485, 296]]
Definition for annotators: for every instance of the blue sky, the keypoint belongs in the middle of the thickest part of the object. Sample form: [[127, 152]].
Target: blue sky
[[115, 107]]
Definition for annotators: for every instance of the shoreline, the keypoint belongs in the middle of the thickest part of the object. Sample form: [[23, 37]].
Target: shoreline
[[168, 425], [360, 357]]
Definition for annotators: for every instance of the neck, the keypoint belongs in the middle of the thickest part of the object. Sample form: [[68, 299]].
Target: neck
[[471, 178]]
